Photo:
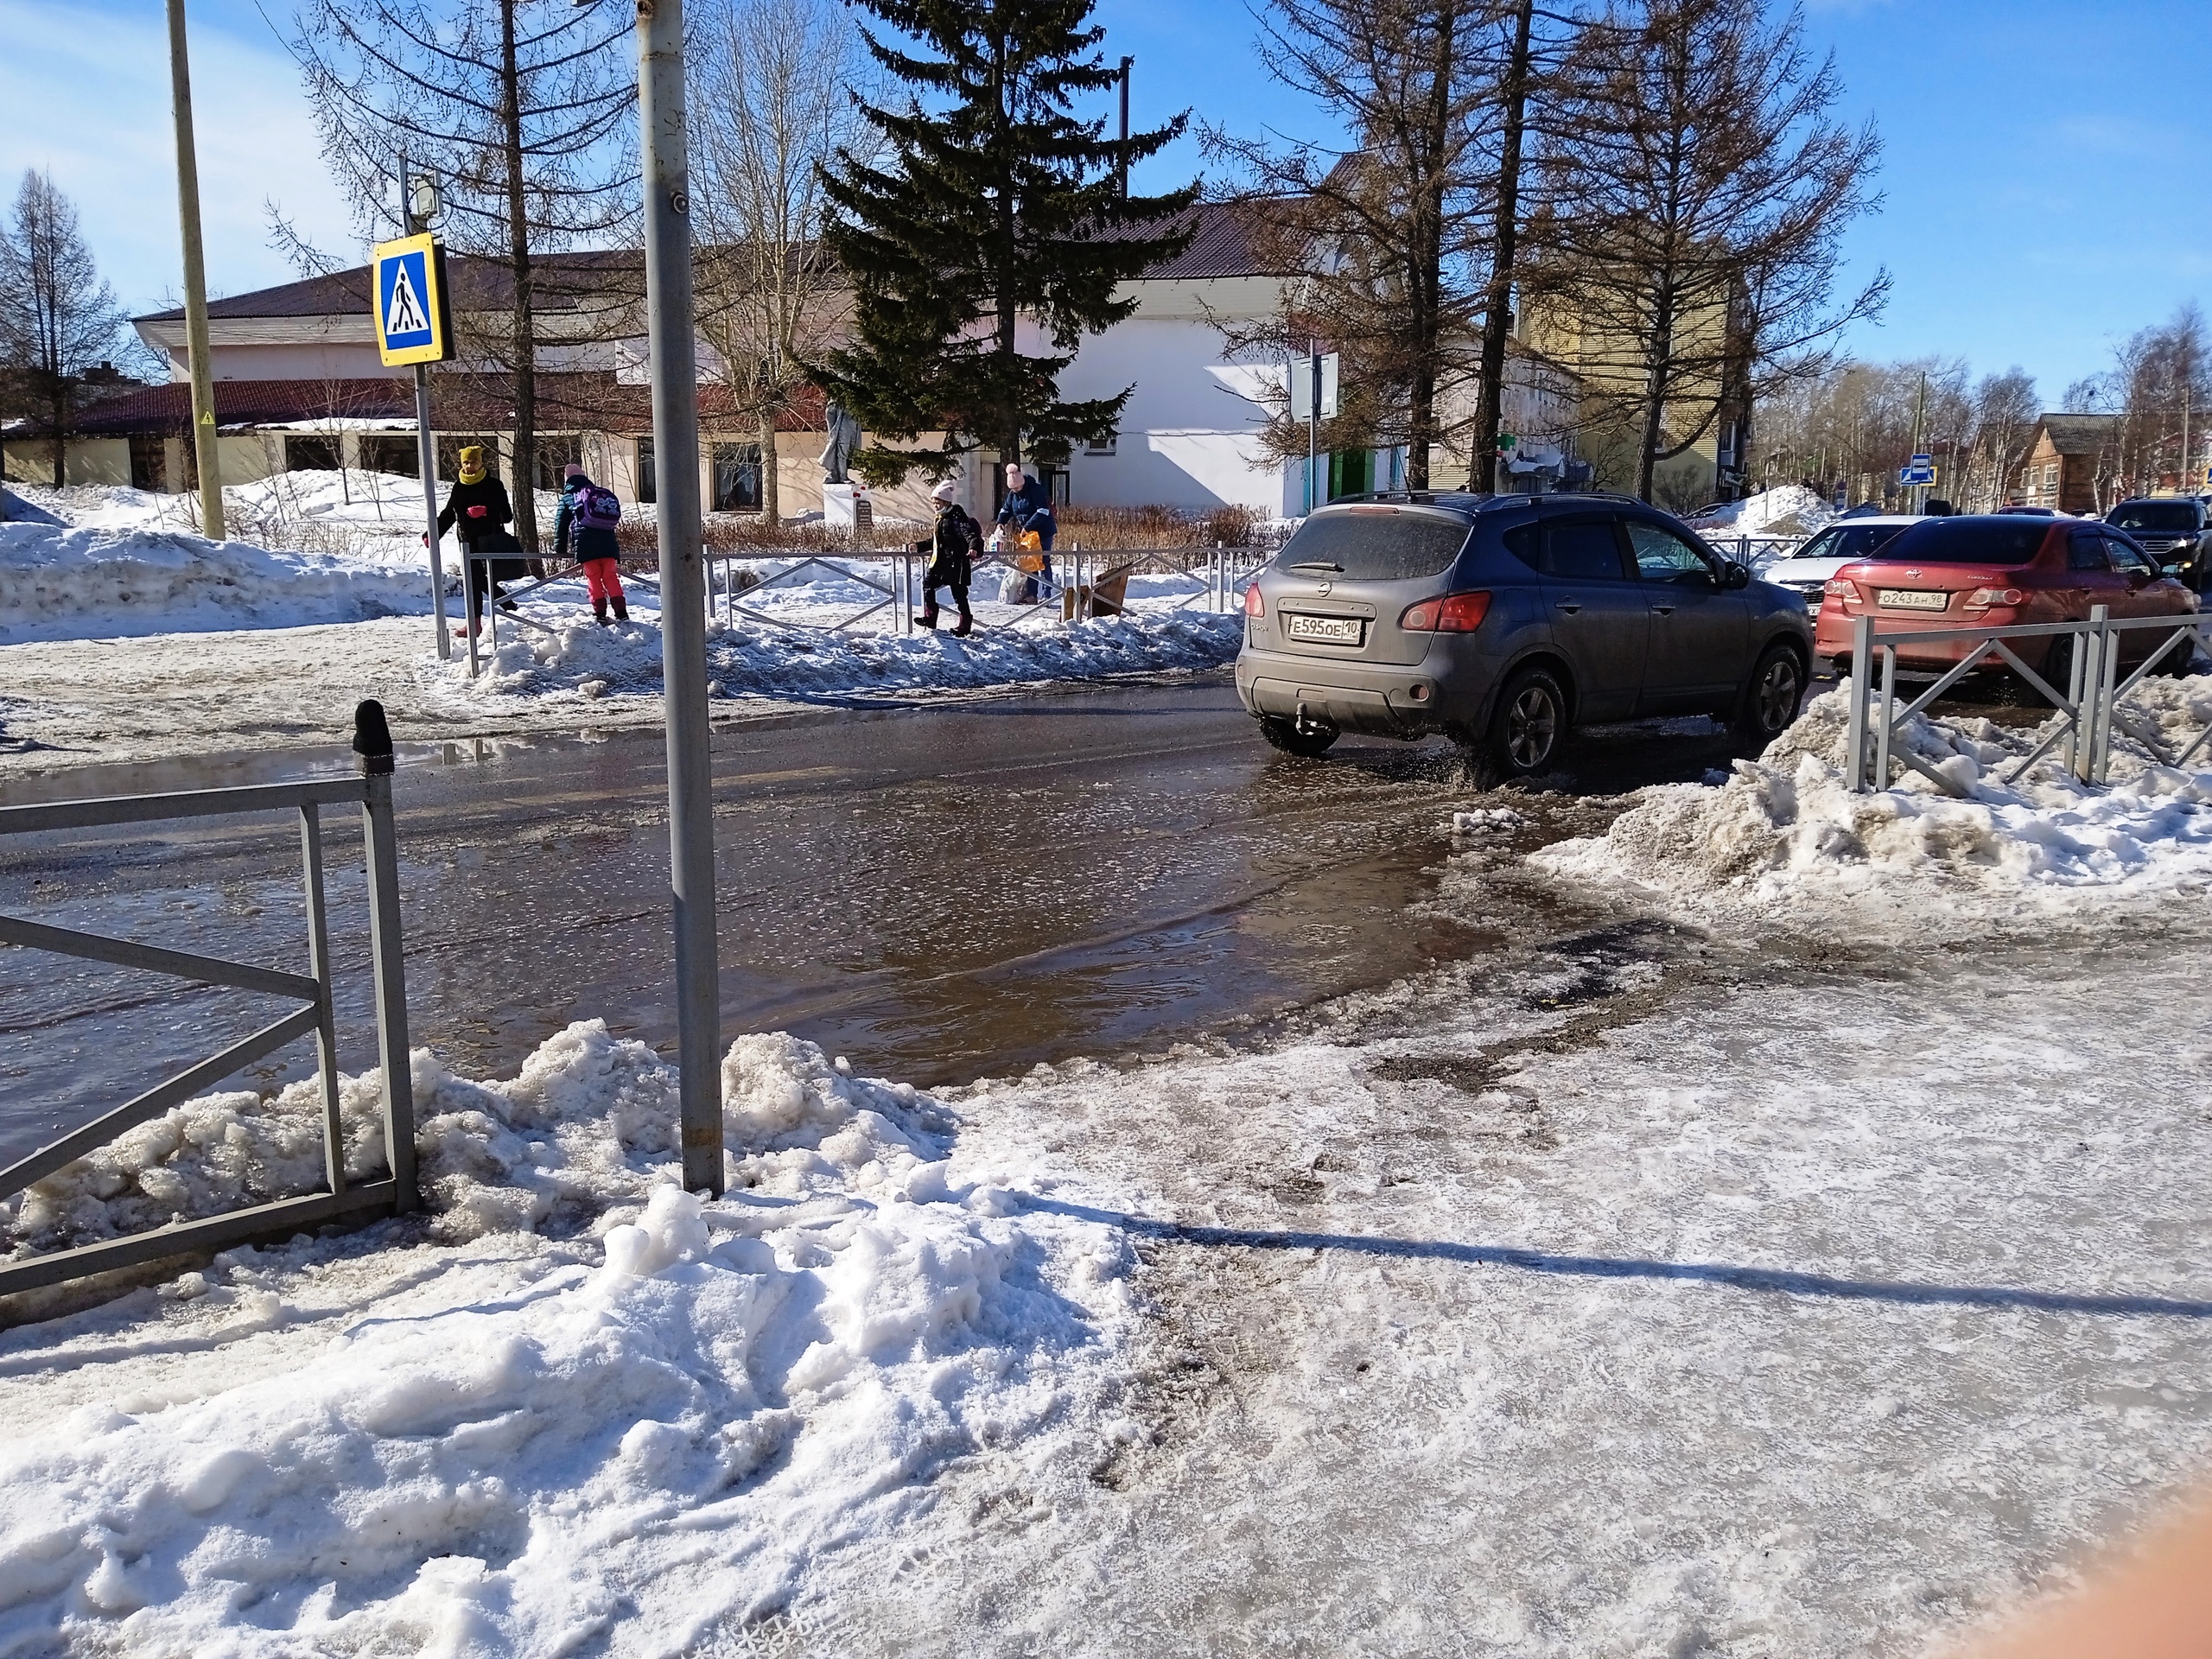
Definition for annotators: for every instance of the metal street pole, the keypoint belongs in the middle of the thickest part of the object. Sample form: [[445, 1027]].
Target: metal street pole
[[1123, 164], [204, 447], [683, 584], [1312, 422], [426, 448]]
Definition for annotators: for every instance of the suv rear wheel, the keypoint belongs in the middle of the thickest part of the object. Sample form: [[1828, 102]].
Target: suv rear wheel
[[1309, 745], [1526, 730]]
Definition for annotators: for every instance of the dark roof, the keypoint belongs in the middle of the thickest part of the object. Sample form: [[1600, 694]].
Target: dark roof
[[473, 285], [1221, 245], [461, 402], [2078, 435]]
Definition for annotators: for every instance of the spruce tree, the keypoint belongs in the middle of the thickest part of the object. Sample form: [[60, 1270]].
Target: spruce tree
[[992, 202]]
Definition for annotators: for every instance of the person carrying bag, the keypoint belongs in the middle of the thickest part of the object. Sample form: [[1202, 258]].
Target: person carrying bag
[[478, 505], [953, 545]]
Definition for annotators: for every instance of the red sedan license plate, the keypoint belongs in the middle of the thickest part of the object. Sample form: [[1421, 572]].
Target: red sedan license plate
[[1911, 599], [1325, 629]]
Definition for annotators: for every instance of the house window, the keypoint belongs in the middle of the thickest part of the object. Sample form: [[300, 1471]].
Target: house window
[[557, 451], [737, 478], [310, 454], [647, 493], [1104, 445], [397, 456], [149, 463], [2051, 476]]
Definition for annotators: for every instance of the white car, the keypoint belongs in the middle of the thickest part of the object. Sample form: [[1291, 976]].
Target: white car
[[1806, 572]]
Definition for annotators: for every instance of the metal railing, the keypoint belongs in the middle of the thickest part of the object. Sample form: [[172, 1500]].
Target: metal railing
[[2085, 711], [394, 1193]]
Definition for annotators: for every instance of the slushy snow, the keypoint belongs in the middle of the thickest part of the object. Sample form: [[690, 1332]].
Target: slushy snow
[[1787, 826], [588, 1410]]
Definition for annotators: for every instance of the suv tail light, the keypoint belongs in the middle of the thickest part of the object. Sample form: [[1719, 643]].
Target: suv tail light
[[1840, 589], [1453, 614], [1986, 596], [1254, 605]]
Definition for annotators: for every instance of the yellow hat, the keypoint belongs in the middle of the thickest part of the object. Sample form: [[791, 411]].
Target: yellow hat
[[472, 463]]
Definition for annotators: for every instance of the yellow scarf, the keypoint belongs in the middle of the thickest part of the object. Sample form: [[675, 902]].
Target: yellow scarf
[[472, 464]]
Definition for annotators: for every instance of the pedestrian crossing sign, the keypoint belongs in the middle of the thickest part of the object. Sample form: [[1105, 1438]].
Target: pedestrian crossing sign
[[411, 301]]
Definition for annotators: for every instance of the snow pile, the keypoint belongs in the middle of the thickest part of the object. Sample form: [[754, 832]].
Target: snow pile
[[1786, 510], [584, 659], [527, 1443], [58, 582], [1787, 824]]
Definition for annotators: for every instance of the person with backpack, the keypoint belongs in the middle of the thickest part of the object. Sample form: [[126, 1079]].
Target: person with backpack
[[592, 510], [953, 546], [478, 506]]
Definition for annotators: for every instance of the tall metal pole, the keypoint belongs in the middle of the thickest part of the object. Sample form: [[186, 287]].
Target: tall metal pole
[[426, 448], [683, 584], [1123, 152], [204, 447], [1312, 423]]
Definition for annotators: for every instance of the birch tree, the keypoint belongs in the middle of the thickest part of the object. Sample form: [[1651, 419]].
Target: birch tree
[[58, 320]]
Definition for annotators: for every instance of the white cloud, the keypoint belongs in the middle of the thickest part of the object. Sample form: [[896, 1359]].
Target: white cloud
[[88, 97]]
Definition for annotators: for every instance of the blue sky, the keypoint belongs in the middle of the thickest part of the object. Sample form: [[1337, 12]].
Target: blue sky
[[2042, 154]]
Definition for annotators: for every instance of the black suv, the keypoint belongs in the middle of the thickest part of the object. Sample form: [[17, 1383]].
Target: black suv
[[2173, 530], [1502, 620]]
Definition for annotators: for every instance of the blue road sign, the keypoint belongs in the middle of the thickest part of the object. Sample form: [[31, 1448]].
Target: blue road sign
[[409, 309]]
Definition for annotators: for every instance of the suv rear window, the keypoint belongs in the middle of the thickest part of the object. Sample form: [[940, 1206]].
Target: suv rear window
[[1968, 541], [2172, 517], [1375, 546]]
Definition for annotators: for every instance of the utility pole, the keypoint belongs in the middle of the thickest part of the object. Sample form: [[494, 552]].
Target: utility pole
[[683, 584], [1312, 422], [205, 453], [426, 448], [1919, 417], [1123, 152]]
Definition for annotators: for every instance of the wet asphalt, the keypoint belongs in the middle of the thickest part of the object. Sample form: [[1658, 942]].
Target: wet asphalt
[[939, 892]]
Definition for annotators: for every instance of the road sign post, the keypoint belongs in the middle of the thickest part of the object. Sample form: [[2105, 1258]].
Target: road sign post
[[682, 592], [408, 291]]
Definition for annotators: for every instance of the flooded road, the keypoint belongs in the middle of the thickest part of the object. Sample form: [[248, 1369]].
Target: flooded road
[[937, 892]]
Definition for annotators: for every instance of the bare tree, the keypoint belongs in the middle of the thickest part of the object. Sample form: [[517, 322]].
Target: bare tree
[[1403, 240], [1703, 197], [521, 108], [58, 320], [773, 102]]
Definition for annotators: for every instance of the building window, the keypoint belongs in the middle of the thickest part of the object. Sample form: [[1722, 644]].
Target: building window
[[647, 492], [149, 463], [310, 454], [398, 456], [2051, 476], [556, 452], [737, 478], [1104, 445]]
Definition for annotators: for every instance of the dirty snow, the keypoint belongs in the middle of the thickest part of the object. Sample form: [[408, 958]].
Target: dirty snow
[[1787, 827], [581, 1407], [1785, 509]]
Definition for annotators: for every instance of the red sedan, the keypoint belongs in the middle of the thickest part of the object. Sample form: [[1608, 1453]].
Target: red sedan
[[2000, 570]]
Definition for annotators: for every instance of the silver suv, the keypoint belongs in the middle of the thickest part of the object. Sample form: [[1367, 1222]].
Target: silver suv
[[1502, 621]]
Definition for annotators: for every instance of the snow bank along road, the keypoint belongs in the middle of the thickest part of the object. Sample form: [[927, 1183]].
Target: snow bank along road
[[1629, 1281]]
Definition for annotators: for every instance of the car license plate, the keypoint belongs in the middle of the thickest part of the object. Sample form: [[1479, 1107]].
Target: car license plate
[[1911, 599], [1325, 629]]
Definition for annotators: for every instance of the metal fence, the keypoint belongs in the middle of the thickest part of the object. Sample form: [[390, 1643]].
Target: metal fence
[[396, 1191], [2085, 711]]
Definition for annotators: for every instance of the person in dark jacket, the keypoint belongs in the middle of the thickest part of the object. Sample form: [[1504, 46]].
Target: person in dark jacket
[[478, 507], [596, 549], [1028, 505], [953, 546]]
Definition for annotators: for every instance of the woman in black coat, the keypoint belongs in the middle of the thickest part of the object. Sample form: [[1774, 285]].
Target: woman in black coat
[[478, 505]]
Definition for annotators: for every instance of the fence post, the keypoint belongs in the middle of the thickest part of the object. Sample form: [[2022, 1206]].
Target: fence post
[[372, 742], [1887, 729], [469, 602], [2108, 688], [325, 1030], [1862, 687], [2076, 670]]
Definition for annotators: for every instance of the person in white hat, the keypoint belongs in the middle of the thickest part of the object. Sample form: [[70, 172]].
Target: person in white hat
[[953, 545]]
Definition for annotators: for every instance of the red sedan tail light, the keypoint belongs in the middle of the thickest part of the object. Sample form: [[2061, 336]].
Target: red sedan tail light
[[1986, 596], [1840, 589], [1254, 605], [1453, 614]]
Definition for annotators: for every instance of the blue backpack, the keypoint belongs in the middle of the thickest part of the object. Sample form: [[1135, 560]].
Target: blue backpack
[[600, 509]]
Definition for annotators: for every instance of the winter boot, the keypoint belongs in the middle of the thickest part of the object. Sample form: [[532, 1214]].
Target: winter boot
[[928, 618], [621, 609], [599, 612], [967, 627]]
